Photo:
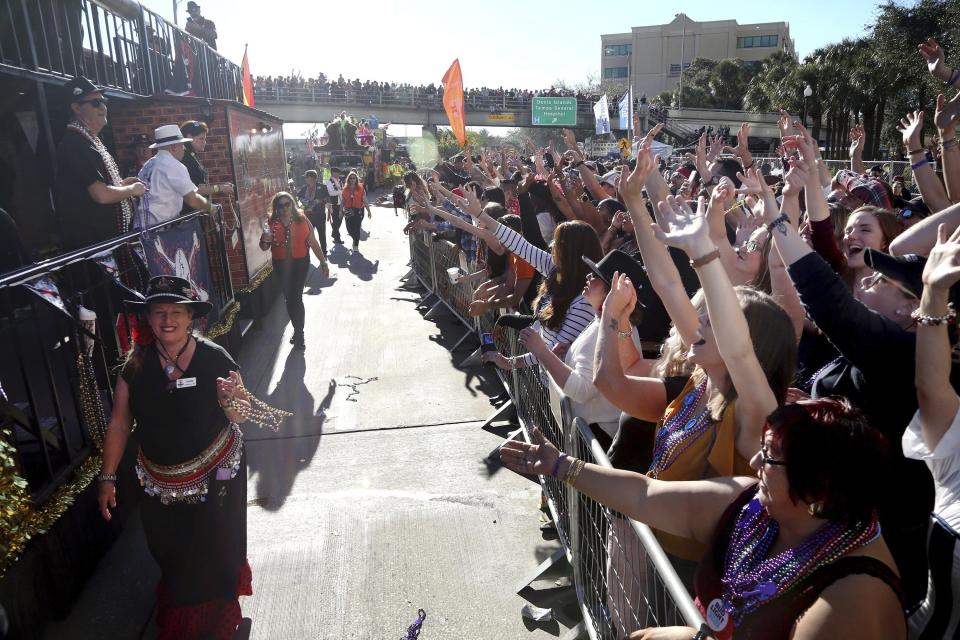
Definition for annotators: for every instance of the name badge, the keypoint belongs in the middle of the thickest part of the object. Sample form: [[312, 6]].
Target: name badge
[[186, 383]]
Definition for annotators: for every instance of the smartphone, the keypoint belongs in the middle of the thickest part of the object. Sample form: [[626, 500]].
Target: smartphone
[[486, 343]]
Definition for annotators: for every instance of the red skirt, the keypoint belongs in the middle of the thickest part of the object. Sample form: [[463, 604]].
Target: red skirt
[[214, 619]]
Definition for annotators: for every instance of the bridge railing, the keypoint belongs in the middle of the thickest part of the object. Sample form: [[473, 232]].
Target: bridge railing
[[128, 48], [414, 98]]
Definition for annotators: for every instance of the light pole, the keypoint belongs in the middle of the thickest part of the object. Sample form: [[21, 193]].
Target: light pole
[[683, 40], [807, 92]]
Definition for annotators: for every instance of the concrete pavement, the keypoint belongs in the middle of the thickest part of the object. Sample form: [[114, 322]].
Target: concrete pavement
[[378, 497]]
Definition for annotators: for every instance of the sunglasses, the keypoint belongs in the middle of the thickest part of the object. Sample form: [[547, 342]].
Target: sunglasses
[[765, 459], [95, 102], [750, 246], [284, 204]]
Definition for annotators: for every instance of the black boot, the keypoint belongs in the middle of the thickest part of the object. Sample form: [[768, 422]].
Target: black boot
[[297, 341]]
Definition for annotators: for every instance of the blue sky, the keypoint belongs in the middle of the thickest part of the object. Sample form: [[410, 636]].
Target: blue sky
[[525, 44]]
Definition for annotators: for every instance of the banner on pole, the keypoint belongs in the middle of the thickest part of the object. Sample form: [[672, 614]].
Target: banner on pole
[[624, 107], [601, 113], [453, 101]]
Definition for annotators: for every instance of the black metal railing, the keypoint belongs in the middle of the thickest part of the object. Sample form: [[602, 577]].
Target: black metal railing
[[53, 368], [129, 48]]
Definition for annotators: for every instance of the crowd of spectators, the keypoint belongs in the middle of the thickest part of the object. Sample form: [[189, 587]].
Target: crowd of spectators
[[780, 337], [322, 89]]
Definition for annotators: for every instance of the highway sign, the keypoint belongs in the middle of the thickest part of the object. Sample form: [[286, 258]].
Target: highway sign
[[553, 112]]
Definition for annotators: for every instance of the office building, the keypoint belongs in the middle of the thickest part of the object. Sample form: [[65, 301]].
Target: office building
[[655, 55]]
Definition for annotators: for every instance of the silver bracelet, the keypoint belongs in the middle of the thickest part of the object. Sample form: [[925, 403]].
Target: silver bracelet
[[107, 477]]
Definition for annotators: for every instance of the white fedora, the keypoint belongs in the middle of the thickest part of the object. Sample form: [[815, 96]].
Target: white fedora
[[166, 135]]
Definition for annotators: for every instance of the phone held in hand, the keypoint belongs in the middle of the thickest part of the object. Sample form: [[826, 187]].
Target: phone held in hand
[[486, 343]]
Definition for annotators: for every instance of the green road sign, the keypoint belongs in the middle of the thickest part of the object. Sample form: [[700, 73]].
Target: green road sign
[[554, 112]]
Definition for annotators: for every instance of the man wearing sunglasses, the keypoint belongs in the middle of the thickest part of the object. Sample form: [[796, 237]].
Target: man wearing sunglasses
[[93, 202]]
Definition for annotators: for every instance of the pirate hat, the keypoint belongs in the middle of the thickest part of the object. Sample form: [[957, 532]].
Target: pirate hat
[[171, 289]]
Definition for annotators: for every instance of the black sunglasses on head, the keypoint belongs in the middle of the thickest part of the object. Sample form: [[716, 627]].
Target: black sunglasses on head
[[95, 102]]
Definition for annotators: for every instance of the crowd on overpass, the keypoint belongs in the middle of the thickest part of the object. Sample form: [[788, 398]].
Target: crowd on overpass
[[356, 91]]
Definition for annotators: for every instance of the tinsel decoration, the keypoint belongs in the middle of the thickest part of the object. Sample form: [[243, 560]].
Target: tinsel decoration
[[20, 521], [94, 417], [226, 324], [258, 279]]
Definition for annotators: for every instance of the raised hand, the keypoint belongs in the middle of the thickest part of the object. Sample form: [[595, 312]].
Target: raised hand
[[533, 341], [648, 139], [785, 124], [945, 117], [631, 182], [796, 178], [857, 137], [622, 297], [934, 56], [942, 269], [713, 151], [911, 128], [538, 458], [688, 230], [570, 140], [750, 181], [743, 142]]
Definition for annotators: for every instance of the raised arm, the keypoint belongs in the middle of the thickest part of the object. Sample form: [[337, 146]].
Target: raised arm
[[945, 118], [755, 398], [937, 399], [687, 509], [857, 142], [932, 190], [664, 277]]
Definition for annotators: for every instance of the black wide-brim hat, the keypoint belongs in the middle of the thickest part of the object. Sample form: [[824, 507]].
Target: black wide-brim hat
[[171, 290], [907, 271], [615, 261], [78, 87]]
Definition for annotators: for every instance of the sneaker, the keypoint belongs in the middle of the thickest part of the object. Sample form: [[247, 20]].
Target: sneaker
[[337, 241]]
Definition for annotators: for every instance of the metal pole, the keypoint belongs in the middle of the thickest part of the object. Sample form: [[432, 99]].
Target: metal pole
[[683, 38], [175, 2]]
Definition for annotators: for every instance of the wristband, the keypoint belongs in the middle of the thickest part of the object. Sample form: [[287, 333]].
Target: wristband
[[556, 465], [753, 161], [107, 477], [948, 144], [696, 263], [919, 163], [779, 220]]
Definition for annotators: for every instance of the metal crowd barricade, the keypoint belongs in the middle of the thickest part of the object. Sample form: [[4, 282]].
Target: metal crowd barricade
[[455, 297], [622, 577]]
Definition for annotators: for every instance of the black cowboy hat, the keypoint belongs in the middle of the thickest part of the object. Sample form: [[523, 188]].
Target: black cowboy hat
[[907, 271], [172, 289], [615, 261], [78, 87]]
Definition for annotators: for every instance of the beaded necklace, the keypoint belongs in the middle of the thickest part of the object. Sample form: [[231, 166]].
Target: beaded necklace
[[680, 430], [750, 578], [125, 212]]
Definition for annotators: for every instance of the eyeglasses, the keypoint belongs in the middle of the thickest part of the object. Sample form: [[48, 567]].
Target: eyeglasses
[[284, 204], [765, 459], [95, 102]]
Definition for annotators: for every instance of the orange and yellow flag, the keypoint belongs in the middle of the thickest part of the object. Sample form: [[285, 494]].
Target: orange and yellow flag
[[453, 101], [246, 81]]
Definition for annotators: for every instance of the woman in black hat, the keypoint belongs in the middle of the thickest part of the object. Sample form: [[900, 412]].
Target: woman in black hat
[[187, 398]]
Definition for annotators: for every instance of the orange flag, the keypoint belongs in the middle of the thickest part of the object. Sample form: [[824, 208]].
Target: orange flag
[[453, 101], [247, 81]]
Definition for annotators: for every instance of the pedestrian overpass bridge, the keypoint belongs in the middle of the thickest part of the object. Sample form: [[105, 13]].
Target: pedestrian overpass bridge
[[306, 105]]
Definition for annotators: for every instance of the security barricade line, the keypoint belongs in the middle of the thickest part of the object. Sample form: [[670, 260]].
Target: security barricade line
[[422, 256], [622, 577], [456, 297]]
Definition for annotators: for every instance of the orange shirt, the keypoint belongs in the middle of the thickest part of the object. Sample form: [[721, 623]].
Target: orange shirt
[[713, 454], [522, 268], [295, 245], [353, 198]]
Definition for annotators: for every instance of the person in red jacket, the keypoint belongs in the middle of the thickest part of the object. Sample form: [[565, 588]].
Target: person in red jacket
[[353, 200]]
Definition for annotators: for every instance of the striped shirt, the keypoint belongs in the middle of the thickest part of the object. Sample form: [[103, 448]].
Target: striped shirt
[[580, 313]]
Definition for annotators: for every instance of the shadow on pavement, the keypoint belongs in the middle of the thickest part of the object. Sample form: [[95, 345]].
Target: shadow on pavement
[[278, 458]]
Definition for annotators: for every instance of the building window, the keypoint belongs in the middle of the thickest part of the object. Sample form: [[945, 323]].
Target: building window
[[675, 69], [614, 72], [755, 42], [618, 50]]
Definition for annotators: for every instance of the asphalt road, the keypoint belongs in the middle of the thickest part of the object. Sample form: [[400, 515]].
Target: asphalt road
[[378, 497]]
